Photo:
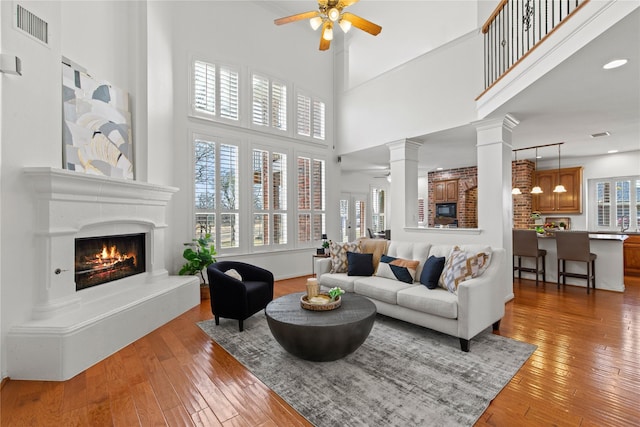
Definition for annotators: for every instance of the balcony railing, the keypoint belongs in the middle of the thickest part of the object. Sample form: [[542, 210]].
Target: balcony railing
[[516, 27]]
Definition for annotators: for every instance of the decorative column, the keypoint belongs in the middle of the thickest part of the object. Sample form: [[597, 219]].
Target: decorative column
[[495, 208], [403, 198]]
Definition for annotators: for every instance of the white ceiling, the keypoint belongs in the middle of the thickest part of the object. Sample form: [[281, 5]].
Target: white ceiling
[[568, 104]]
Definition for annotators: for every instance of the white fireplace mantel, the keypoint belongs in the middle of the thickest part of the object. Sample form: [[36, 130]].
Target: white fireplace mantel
[[71, 330]]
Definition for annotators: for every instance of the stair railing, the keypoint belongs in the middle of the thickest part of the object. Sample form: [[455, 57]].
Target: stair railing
[[516, 28]]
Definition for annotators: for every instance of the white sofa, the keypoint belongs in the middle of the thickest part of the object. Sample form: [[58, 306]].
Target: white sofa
[[478, 303]]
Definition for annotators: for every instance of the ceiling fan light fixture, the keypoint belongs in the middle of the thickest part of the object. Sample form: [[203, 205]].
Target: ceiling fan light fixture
[[315, 22], [345, 25], [333, 14], [327, 34]]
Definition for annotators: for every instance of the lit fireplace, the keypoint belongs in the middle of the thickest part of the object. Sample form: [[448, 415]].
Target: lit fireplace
[[104, 259]]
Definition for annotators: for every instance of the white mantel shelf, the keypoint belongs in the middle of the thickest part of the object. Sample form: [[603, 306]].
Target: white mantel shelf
[[68, 330]]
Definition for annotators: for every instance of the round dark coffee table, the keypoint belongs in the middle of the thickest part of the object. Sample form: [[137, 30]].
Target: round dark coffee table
[[320, 336]]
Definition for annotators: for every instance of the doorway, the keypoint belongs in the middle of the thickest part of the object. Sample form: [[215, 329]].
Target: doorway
[[353, 216]]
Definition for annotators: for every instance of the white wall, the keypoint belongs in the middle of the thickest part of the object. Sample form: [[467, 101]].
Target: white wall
[[142, 47], [93, 36]]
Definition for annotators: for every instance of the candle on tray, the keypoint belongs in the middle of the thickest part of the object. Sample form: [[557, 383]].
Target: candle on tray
[[312, 287]]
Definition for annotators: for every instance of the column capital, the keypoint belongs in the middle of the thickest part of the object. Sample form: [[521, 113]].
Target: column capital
[[404, 149]]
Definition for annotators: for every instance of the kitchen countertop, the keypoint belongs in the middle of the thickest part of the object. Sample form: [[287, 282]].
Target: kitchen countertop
[[596, 236]]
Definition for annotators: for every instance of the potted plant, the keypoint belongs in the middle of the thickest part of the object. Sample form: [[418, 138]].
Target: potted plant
[[199, 255], [563, 226]]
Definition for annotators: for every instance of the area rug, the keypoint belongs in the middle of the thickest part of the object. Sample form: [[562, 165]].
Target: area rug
[[403, 375]]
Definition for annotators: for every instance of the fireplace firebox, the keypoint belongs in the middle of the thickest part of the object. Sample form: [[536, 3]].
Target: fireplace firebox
[[103, 259]]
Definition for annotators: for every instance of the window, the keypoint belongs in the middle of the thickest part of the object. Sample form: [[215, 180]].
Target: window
[[269, 198], [615, 203], [311, 199], [269, 104], [377, 208], [215, 91], [216, 191], [310, 117]]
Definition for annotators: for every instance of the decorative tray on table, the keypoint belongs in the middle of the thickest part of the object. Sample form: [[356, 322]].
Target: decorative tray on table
[[320, 302]]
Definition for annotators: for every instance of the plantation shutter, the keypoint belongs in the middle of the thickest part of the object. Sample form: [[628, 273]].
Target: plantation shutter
[[318, 119], [205, 87], [303, 114], [623, 199], [279, 106], [229, 93], [279, 192], [260, 105], [603, 190]]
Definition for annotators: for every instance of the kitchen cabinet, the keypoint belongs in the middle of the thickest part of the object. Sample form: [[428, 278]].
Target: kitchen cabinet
[[446, 191], [550, 202], [632, 256]]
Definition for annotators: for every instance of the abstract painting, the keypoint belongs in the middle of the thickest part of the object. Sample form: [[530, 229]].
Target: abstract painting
[[96, 127]]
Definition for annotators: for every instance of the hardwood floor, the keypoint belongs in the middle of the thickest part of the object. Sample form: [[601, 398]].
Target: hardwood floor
[[585, 372]]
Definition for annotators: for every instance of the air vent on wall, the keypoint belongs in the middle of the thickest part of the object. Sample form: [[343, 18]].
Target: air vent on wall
[[32, 25]]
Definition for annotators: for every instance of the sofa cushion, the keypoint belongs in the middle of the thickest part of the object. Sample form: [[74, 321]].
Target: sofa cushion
[[410, 250], [397, 269], [461, 266], [338, 253], [379, 288], [431, 271], [438, 302], [377, 247], [341, 280], [359, 264]]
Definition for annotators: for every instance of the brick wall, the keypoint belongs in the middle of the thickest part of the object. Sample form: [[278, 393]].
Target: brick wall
[[467, 208], [522, 173]]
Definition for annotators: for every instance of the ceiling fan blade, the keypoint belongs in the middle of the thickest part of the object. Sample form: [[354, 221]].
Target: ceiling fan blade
[[363, 24], [345, 3], [324, 44], [297, 17]]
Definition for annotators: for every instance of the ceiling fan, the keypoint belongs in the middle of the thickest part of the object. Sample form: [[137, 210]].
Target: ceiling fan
[[329, 12]]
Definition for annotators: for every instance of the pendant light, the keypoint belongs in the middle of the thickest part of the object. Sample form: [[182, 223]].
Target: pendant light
[[515, 190], [559, 188], [536, 189]]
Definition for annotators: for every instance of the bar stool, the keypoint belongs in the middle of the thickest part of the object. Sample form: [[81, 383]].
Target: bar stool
[[525, 244], [575, 246]]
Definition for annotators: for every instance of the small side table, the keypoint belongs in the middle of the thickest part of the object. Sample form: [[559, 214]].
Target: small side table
[[313, 262]]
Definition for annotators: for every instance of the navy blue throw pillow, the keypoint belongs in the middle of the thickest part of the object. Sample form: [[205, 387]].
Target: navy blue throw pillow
[[431, 271], [359, 264]]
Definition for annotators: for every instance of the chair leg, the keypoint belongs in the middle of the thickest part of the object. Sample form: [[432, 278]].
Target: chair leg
[[559, 274], [464, 345], [544, 269], [217, 319], [593, 271], [519, 267], [537, 271], [241, 325], [496, 325]]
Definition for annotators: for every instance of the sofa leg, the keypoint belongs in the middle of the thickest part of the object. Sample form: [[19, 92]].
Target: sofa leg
[[464, 345], [496, 325], [217, 319], [241, 325]]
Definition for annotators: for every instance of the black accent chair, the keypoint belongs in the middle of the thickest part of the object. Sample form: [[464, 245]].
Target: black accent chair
[[235, 299]]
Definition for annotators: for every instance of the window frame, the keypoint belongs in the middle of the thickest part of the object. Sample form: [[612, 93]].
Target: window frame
[[217, 115], [271, 211], [312, 124], [217, 209], [312, 211], [634, 203], [269, 128]]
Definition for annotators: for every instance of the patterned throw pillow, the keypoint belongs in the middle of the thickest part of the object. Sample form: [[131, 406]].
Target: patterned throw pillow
[[234, 273], [338, 252], [400, 269], [461, 266]]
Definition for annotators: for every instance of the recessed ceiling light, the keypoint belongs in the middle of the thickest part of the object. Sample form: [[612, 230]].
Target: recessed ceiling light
[[439, 169], [614, 64], [612, 151], [600, 134]]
